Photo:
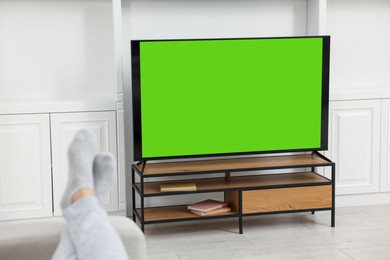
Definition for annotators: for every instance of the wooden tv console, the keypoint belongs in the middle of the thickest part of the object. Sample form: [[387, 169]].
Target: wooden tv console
[[247, 195]]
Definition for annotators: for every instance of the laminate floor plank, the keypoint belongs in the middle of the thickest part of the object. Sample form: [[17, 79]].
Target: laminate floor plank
[[256, 255], [165, 256]]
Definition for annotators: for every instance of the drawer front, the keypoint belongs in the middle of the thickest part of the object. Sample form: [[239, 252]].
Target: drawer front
[[285, 199]]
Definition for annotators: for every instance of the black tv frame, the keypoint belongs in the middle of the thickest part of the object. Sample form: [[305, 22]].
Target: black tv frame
[[136, 99]]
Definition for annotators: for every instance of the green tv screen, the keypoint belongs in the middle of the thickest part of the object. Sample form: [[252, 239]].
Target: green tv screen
[[229, 96]]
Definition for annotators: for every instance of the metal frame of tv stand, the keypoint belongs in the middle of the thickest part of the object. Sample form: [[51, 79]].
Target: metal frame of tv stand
[[240, 215]]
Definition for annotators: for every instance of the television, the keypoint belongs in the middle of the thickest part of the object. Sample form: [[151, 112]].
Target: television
[[217, 97]]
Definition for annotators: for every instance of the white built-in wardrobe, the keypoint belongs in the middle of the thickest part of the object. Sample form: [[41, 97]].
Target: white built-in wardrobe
[[65, 65]]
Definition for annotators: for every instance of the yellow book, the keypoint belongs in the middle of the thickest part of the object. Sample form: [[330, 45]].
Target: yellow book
[[178, 186]]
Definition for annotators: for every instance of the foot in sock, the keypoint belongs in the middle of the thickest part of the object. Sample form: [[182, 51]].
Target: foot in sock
[[104, 174], [81, 155]]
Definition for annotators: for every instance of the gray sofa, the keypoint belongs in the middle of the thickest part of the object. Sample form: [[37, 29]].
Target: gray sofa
[[36, 239]]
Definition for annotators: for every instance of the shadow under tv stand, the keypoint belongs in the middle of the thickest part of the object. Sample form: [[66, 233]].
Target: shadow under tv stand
[[247, 195]]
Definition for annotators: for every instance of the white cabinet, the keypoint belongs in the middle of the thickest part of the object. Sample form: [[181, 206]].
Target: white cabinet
[[63, 128], [34, 162], [25, 175], [72, 71], [355, 145], [360, 81]]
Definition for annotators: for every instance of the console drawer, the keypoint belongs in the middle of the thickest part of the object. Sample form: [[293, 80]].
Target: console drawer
[[286, 199]]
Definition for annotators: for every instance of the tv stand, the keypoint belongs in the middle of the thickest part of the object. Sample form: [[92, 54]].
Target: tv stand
[[247, 195]]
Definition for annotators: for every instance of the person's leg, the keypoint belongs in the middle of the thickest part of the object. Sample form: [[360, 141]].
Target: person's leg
[[104, 175], [89, 229], [81, 154], [65, 249]]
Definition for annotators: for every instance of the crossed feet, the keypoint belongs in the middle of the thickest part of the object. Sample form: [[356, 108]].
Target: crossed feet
[[90, 173]]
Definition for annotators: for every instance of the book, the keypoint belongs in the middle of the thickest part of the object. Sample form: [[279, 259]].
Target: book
[[207, 205], [177, 186], [213, 212]]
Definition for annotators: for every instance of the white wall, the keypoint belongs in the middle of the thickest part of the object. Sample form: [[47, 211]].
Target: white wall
[[61, 49], [152, 19]]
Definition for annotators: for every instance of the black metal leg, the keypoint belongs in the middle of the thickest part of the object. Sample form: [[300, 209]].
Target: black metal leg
[[333, 220], [142, 205], [133, 193], [312, 212], [240, 225], [240, 211]]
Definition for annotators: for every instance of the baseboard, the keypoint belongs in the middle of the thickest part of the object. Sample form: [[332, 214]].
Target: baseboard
[[362, 199]]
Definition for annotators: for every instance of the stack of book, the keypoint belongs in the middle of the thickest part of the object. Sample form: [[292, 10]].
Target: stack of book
[[209, 207]]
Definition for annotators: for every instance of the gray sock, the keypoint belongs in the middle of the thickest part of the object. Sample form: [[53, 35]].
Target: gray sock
[[81, 154], [104, 174]]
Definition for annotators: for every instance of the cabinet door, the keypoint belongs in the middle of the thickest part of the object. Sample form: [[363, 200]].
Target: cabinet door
[[385, 145], [25, 175], [64, 126], [355, 145]]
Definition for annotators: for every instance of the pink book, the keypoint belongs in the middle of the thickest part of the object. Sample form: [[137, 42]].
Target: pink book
[[207, 205], [213, 212]]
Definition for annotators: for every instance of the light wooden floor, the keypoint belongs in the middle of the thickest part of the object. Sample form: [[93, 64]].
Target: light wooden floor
[[360, 233]]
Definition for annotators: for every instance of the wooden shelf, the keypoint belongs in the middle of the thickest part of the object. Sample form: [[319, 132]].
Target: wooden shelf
[[244, 182], [174, 213], [222, 165]]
